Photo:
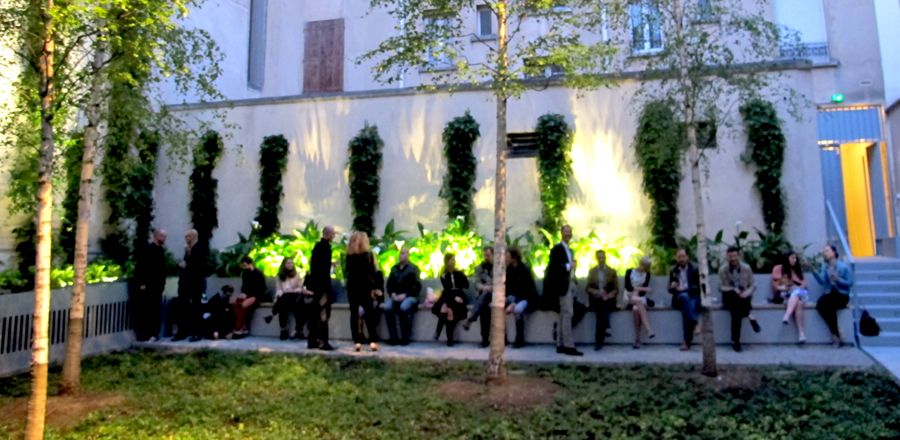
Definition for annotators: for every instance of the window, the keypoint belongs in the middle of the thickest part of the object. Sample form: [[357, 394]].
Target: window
[[256, 61], [485, 25], [437, 55], [323, 56], [705, 11], [646, 29]]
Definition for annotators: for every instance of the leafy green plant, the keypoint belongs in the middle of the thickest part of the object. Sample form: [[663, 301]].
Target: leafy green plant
[[272, 162], [72, 166], [364, 164], [427, 251], [204, 213], [459, 182], [12, 280], [620, 255], [766, 145], [554, 167], [659, 154], [143, 177], [100, 271]]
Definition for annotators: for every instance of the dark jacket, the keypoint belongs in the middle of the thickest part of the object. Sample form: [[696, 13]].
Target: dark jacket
[[520, 283], [253, 284], [558, 275], [610, 284], [455, 285], [629, 287], [405, 280], [360, 274], [693, 280], [318, 280], [192, 281], [150, 269]]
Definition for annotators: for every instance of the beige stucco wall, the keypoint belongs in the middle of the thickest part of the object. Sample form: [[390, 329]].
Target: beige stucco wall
[[605, 194]]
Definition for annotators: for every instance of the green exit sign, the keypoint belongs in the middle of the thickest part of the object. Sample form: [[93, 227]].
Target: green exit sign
[[837, 98]]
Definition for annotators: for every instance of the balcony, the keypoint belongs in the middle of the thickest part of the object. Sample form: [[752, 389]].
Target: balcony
[[805, 51]]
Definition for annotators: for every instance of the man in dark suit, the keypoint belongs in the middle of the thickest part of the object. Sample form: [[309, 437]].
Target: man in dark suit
[[191, 286], [558, 283], [318, 281], [149, 283], [684, 285]]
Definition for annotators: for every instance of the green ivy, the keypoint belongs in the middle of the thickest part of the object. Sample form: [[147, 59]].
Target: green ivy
[[365, 165], [72, 164], [765, 151], [272, 162], [555, 168], [143, 177], [658, 148], [459, 183], [204, 187]]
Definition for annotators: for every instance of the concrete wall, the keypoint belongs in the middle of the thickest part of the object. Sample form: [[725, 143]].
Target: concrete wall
[[887, 13], [853, 41]]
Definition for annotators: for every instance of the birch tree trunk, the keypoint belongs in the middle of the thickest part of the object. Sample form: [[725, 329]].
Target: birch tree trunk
[[688, 90], [71, 374], [496, 373], [37, 403]]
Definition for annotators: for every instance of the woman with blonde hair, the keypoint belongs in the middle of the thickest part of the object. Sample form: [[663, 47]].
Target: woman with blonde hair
[[637, 298], [361, 273]]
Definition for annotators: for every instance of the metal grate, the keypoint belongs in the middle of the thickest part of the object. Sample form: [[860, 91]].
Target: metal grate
[[99, 320]]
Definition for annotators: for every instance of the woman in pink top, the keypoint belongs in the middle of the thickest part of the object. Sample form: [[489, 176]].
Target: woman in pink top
[[788, 281]]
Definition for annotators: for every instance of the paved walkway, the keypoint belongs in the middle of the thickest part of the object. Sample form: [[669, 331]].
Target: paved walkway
[[889, 357], [807, 356]]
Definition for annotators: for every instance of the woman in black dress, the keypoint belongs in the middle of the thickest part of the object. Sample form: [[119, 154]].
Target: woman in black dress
[[451, 307], [361, 273]]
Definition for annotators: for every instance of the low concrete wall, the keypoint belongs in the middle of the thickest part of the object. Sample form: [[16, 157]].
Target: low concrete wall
[[107, 324]]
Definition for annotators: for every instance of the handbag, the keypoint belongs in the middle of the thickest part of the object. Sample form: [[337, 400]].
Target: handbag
[[868, 326]]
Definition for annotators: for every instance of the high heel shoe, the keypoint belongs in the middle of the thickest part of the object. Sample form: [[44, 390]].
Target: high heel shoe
[[357, 347], [373, 346]]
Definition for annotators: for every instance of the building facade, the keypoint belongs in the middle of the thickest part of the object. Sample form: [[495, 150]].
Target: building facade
[[290, 68]]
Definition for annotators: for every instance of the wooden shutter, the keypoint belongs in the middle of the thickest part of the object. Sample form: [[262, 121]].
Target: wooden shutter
[[323, 56]]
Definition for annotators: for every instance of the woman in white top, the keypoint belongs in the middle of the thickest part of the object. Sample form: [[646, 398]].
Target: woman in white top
[[637, 297], [289, 298]]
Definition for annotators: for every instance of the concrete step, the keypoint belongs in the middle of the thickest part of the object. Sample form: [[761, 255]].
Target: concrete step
[[886, 264], [877, 286], [889, 324], [885, 339], [877, 275], [884, 311], [873, 299]]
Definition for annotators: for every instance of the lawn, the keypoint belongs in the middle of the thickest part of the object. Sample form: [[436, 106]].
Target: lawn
[[210, 395]]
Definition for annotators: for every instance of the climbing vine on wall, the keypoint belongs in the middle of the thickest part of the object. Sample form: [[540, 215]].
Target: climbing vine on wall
[[204, 187], [459, 182], [72, 167], [658, 149], [273, 157], [765, 151], [554, 167], [364, 165]]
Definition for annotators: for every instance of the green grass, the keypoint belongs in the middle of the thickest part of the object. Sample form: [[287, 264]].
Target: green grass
[[210, 395]]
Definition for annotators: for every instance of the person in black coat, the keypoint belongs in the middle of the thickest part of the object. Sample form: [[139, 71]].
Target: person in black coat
[[191, 286], [216, 317], [451, 307], [684, 285], [521, 293], [360, 272], [150, 283], [318, 281], [558, 283]]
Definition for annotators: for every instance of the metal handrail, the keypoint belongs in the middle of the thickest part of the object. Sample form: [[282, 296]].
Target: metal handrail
[[852, 262]]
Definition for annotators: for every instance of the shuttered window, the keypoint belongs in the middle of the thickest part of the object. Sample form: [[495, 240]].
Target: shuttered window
[[323, 56]]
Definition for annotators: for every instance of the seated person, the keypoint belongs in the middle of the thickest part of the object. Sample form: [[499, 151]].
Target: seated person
[[403, 288], [377, 296], [788, 283], [637, 297], [451, 306], [290, 298], [603, 291], [253, 292], [215, 315], [521, 293]]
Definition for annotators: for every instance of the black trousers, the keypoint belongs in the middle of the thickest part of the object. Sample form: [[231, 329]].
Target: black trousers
[[290, 303], [147, 312], [602, 309], [187, 314], [369, 316], [318, 312], [739, 309], [828, 306]]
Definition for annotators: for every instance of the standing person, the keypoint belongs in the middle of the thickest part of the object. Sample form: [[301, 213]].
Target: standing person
[[484, 286], [150, 280], [836, 279], [558, 283], [603, 293], [788, 282], [521, 293], [289, 294], [191, 286], [318, 282], [253, 291], [403, 288], [637, 297], [360, 272], [451, 307], [737, 286], [684, 285]]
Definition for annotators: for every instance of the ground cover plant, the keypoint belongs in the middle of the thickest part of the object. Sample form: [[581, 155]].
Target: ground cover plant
[[212, 395]]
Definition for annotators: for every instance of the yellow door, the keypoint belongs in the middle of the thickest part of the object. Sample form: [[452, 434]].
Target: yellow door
[[858, 199]]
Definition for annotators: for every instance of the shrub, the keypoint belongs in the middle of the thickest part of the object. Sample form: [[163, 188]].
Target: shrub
[[272, 162], [459, 182], [364, 165], [554, 167], [204, 213], [765, 151], [658, 150]]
